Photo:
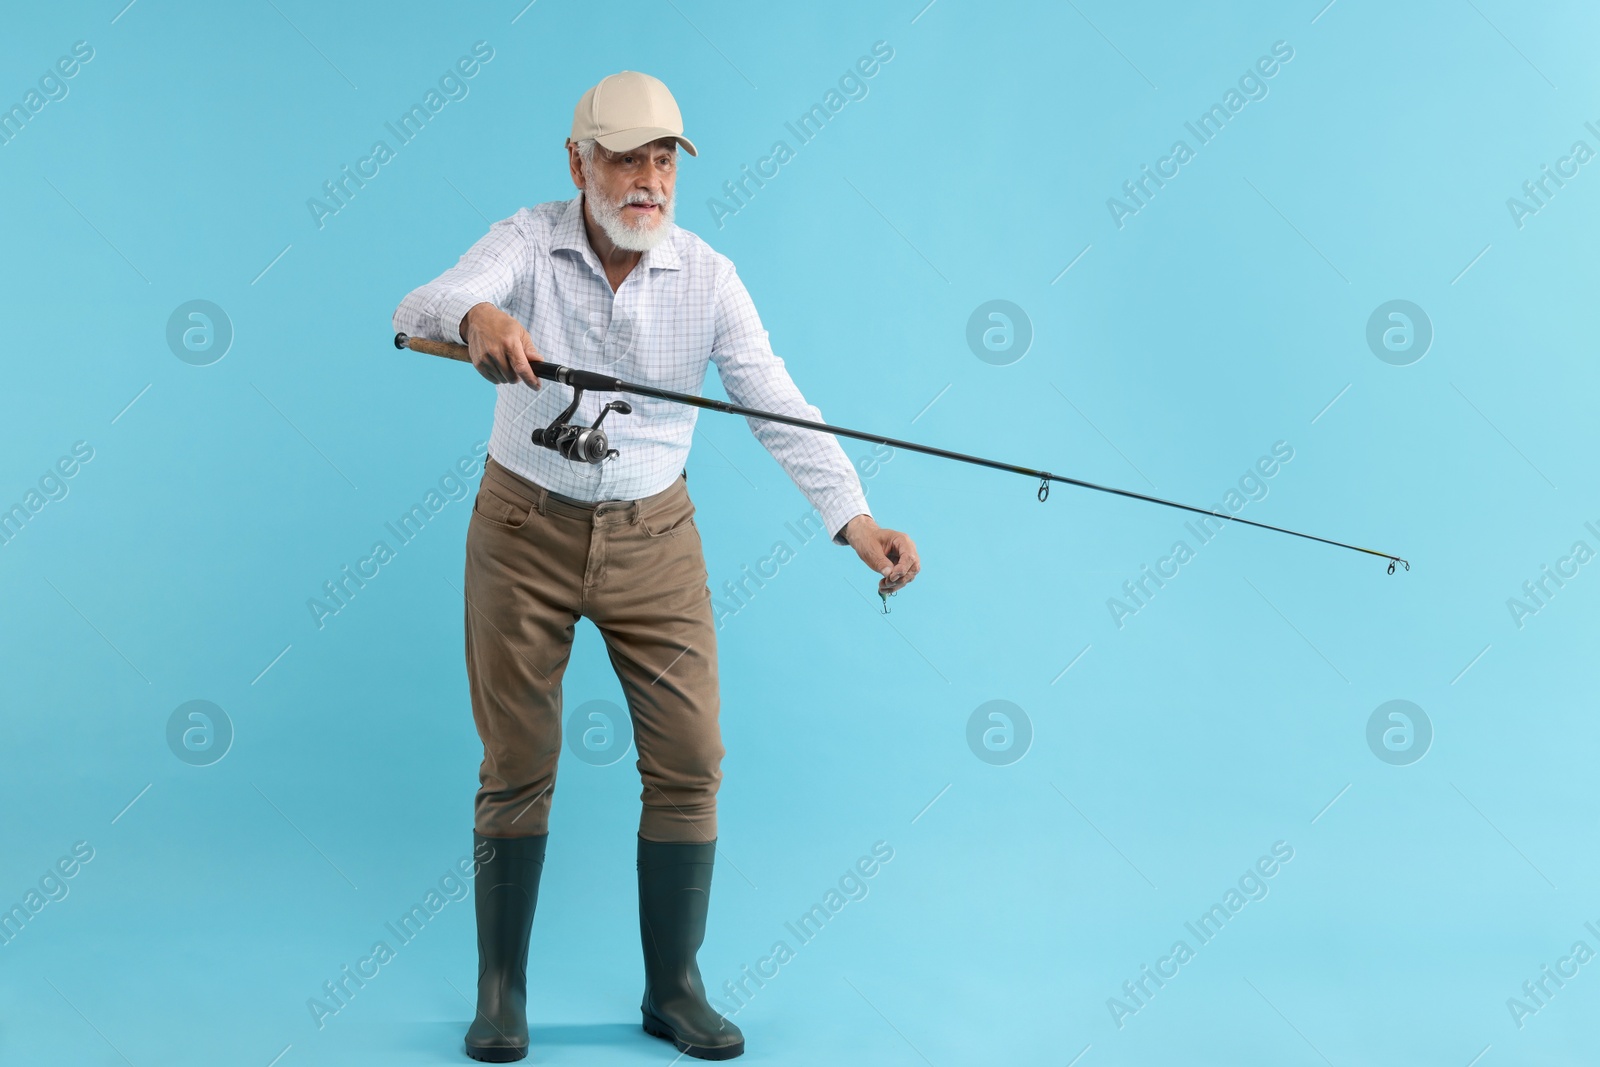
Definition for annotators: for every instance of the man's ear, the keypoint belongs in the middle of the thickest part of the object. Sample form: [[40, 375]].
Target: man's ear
[[574, 163]]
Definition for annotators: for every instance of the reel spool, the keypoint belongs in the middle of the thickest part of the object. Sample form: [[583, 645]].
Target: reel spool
[[583, 444]]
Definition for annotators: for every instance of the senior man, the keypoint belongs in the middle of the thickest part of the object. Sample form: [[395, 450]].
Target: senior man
[[606, 280]]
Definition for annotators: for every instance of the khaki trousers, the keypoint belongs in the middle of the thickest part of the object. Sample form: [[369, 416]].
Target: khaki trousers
[[536, 564]]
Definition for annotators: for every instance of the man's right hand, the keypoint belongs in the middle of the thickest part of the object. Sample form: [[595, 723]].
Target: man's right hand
[[500, 348]]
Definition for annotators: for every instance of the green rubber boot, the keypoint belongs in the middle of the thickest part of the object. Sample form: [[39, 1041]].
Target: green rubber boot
[[674, 892], [505, 890]]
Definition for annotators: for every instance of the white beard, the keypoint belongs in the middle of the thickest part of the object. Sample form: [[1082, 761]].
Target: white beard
[[624, 234]]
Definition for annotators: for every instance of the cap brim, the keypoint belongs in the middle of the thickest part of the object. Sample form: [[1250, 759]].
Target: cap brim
[[624, 140]]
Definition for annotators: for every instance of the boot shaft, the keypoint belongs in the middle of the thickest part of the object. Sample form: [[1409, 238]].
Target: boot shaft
[[506, 894], [674, 896]]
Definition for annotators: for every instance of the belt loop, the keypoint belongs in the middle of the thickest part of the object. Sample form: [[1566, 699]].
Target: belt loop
[[540, 498]]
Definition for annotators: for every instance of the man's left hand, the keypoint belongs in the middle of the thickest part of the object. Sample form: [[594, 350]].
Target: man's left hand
[[889, 552]]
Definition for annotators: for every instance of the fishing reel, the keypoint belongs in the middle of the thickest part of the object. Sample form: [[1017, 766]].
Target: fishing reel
[[585, 444]]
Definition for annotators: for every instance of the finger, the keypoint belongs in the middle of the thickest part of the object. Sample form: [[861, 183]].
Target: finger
[[491, 368], [506, 360], [902, 553], [519, 368], [496, 363], [876, 560], [914, 566], [900, 576], [530, 356]]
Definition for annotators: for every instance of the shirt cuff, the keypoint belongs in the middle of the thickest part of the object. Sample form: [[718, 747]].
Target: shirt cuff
[[453, 307], [839, 513]]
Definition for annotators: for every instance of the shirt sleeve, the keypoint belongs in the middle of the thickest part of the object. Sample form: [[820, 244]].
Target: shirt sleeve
[[755, 377], [489, 272]]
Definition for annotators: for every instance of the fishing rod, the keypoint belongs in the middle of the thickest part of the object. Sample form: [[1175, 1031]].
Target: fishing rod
[[588, 444]]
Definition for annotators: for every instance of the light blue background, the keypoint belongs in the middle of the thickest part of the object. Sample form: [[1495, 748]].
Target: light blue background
[[1227, 715]]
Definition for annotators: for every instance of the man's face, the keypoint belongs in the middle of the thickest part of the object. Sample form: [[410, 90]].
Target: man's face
[[630, 194]]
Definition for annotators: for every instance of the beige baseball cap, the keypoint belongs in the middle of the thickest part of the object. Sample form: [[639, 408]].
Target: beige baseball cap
[[626, 110]]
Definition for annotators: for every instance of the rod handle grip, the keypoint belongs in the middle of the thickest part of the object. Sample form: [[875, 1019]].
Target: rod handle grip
[[447, 349]]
